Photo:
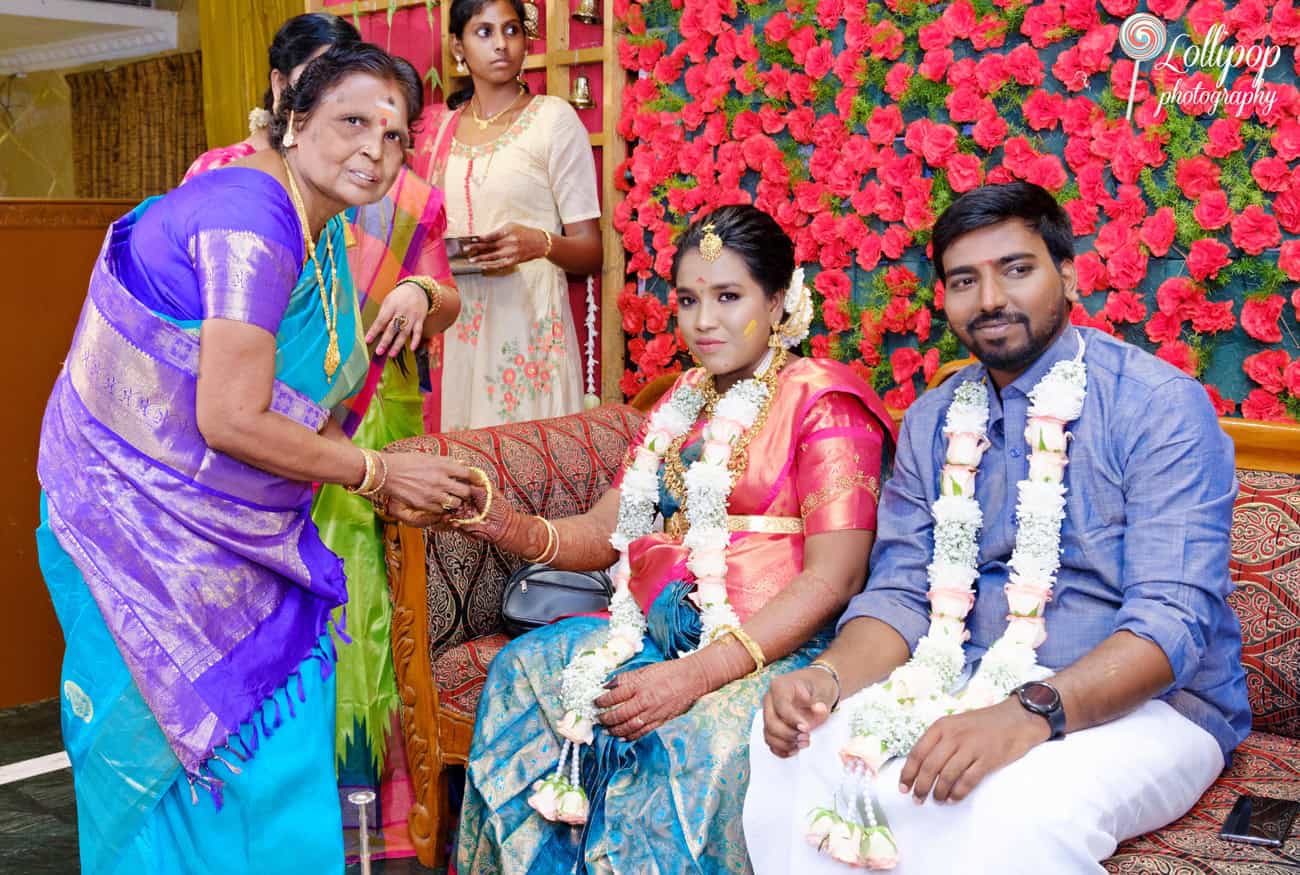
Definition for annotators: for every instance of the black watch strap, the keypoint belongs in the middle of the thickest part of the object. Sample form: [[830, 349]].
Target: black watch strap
[[1044, 700]]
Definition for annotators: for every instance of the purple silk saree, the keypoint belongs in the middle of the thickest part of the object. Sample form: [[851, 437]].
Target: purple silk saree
[[208, 572]]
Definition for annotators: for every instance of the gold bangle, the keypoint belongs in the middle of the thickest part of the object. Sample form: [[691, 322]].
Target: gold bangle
[[365, 486], [825, 666], [487, 502], [540, 559], [751, 647], [549, 243], [549, 559], [432, 292], [383, 476]]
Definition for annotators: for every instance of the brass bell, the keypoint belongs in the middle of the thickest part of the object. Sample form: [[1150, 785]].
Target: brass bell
[[532, 20], [587, 12], [580, 96]]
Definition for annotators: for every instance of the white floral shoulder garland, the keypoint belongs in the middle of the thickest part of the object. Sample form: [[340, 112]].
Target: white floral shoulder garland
[[890, 717], [709, 480]]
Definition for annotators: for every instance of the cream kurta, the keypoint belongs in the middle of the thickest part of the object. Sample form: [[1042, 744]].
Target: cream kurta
[[513, 355]]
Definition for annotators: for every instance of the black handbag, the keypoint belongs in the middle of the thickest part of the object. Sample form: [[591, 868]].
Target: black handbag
[[539, 594]]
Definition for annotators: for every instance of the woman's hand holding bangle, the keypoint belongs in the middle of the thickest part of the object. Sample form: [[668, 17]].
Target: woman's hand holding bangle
[[427, 483]]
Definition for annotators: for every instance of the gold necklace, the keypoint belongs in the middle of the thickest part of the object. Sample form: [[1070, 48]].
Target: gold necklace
[[484, 122], [675, 469], [332, 357]]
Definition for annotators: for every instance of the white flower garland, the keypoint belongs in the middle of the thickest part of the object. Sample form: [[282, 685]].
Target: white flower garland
[[890, 717], [709, 481], [591, 398]]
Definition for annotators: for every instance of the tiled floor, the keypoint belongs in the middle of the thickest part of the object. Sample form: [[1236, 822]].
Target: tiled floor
[[38, 818]]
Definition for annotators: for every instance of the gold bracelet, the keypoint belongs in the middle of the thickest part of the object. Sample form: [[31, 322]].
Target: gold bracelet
[[751, 646], [825, 666], [549, 243], [383, 476], [487, 502], [550, 542], [432, 292], [548, 560], [364, 487]]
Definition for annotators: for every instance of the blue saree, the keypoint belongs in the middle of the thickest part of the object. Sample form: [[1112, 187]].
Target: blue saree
[[670, 803], [193, 592]]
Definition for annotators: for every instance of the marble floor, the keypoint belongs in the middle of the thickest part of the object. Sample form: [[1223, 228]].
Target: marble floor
[[38, 818]]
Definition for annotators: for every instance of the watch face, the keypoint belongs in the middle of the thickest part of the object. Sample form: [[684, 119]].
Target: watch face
[[1040, 695]]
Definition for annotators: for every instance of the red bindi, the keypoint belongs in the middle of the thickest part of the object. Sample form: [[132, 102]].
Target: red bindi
[[383, 122]]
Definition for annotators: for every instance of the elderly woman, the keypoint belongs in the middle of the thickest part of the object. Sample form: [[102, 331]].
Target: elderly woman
[[766, 468], [177, 456], [395, 252]]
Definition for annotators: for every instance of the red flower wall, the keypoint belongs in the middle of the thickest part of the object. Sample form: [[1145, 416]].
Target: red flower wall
[[855, 124]]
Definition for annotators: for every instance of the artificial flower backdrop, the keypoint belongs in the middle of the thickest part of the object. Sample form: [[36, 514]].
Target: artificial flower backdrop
[[857, 123]]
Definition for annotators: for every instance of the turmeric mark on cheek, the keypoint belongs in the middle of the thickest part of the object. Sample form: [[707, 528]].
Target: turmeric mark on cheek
[[749, 329]]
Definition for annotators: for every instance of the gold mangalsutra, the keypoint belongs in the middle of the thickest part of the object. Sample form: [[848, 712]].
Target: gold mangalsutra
[[675, 469], [710, 243], [483, 123], [332, 356]]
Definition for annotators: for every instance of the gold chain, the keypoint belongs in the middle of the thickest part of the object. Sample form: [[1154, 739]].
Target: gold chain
[[483, 123], [675, 469], [332, 356]]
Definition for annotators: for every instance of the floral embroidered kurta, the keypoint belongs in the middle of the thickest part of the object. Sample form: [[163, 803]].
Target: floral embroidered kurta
[[513, 355]]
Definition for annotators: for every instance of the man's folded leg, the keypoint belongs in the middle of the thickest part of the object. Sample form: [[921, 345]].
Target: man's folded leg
[[1061, 808]]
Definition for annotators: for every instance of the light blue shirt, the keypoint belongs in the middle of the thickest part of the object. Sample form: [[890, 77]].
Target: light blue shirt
[[1151, 484]]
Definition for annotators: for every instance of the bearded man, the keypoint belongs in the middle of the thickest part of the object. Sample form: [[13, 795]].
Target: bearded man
[[1136, 695]]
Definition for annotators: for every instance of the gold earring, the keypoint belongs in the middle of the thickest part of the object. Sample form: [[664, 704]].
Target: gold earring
[[775, 339], [462, 69], [288, 138]]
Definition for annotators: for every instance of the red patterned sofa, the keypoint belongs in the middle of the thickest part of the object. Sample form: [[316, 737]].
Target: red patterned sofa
[[447, 587], [1265, 565], [447, 592]]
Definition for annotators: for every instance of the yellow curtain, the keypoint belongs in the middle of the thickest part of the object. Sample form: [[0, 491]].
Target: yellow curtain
[[136, 127], [234, 36]]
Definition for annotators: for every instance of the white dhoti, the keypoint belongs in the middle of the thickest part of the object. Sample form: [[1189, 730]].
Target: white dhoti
[[1060, 809]]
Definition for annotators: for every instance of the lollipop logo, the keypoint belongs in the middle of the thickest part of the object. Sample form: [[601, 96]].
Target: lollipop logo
[[1142, 37], [1214, 54]]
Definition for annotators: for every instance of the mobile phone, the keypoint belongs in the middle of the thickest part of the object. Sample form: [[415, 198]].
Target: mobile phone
[[456, 245], [1260, 820]]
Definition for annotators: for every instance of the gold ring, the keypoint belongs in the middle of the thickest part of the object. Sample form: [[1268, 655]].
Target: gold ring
[[451, 503], [400, 321]]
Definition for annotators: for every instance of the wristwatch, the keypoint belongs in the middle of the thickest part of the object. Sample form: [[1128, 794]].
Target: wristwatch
[[1043, 699]]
